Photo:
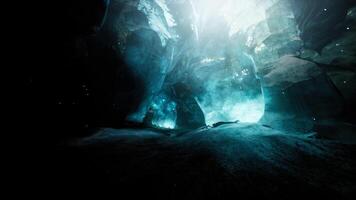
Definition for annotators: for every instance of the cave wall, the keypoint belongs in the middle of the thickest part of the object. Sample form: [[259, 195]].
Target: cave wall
[[325, 31], [320, 22], [87, 82]]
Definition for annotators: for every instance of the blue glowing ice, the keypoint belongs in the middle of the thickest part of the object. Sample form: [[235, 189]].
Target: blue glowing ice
[[165, 114], [210, 46], [231, 96], [159, 18]]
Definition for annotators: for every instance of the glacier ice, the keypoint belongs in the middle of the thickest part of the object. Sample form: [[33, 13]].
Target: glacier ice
[[216, 48], [159, 18]]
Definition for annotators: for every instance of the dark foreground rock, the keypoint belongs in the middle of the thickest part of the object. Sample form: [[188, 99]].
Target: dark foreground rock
[[231, 161]]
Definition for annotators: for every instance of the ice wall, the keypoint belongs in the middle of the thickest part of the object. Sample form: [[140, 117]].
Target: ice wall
[[159, 18], [217, 49]]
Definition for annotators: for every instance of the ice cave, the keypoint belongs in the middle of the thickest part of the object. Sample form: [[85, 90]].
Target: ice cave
[[213, 50], [191, 99]]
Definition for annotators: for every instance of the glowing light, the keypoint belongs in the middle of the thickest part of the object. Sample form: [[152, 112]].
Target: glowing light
[[233, 96], [259, 48], [239, 14], [164, 112], [167, 124], [211, 60], [250, 111]]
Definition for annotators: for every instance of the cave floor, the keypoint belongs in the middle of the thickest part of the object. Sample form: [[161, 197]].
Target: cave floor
[[235, 160]]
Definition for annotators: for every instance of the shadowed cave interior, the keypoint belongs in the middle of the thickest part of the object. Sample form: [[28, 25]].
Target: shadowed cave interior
[[197, 99]]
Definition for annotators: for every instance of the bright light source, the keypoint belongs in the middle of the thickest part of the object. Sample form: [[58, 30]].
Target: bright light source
[[249, 111], [238, 14], [167, 124], [165, 112], [232, 96]]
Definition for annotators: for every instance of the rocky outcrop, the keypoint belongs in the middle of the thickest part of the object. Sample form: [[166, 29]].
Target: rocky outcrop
[[297, 94]]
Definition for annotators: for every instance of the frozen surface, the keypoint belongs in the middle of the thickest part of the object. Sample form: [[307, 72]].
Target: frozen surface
[[237, 159]]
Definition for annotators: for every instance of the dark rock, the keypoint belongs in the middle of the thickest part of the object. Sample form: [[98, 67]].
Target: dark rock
[[297, 93], [189, 113]]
